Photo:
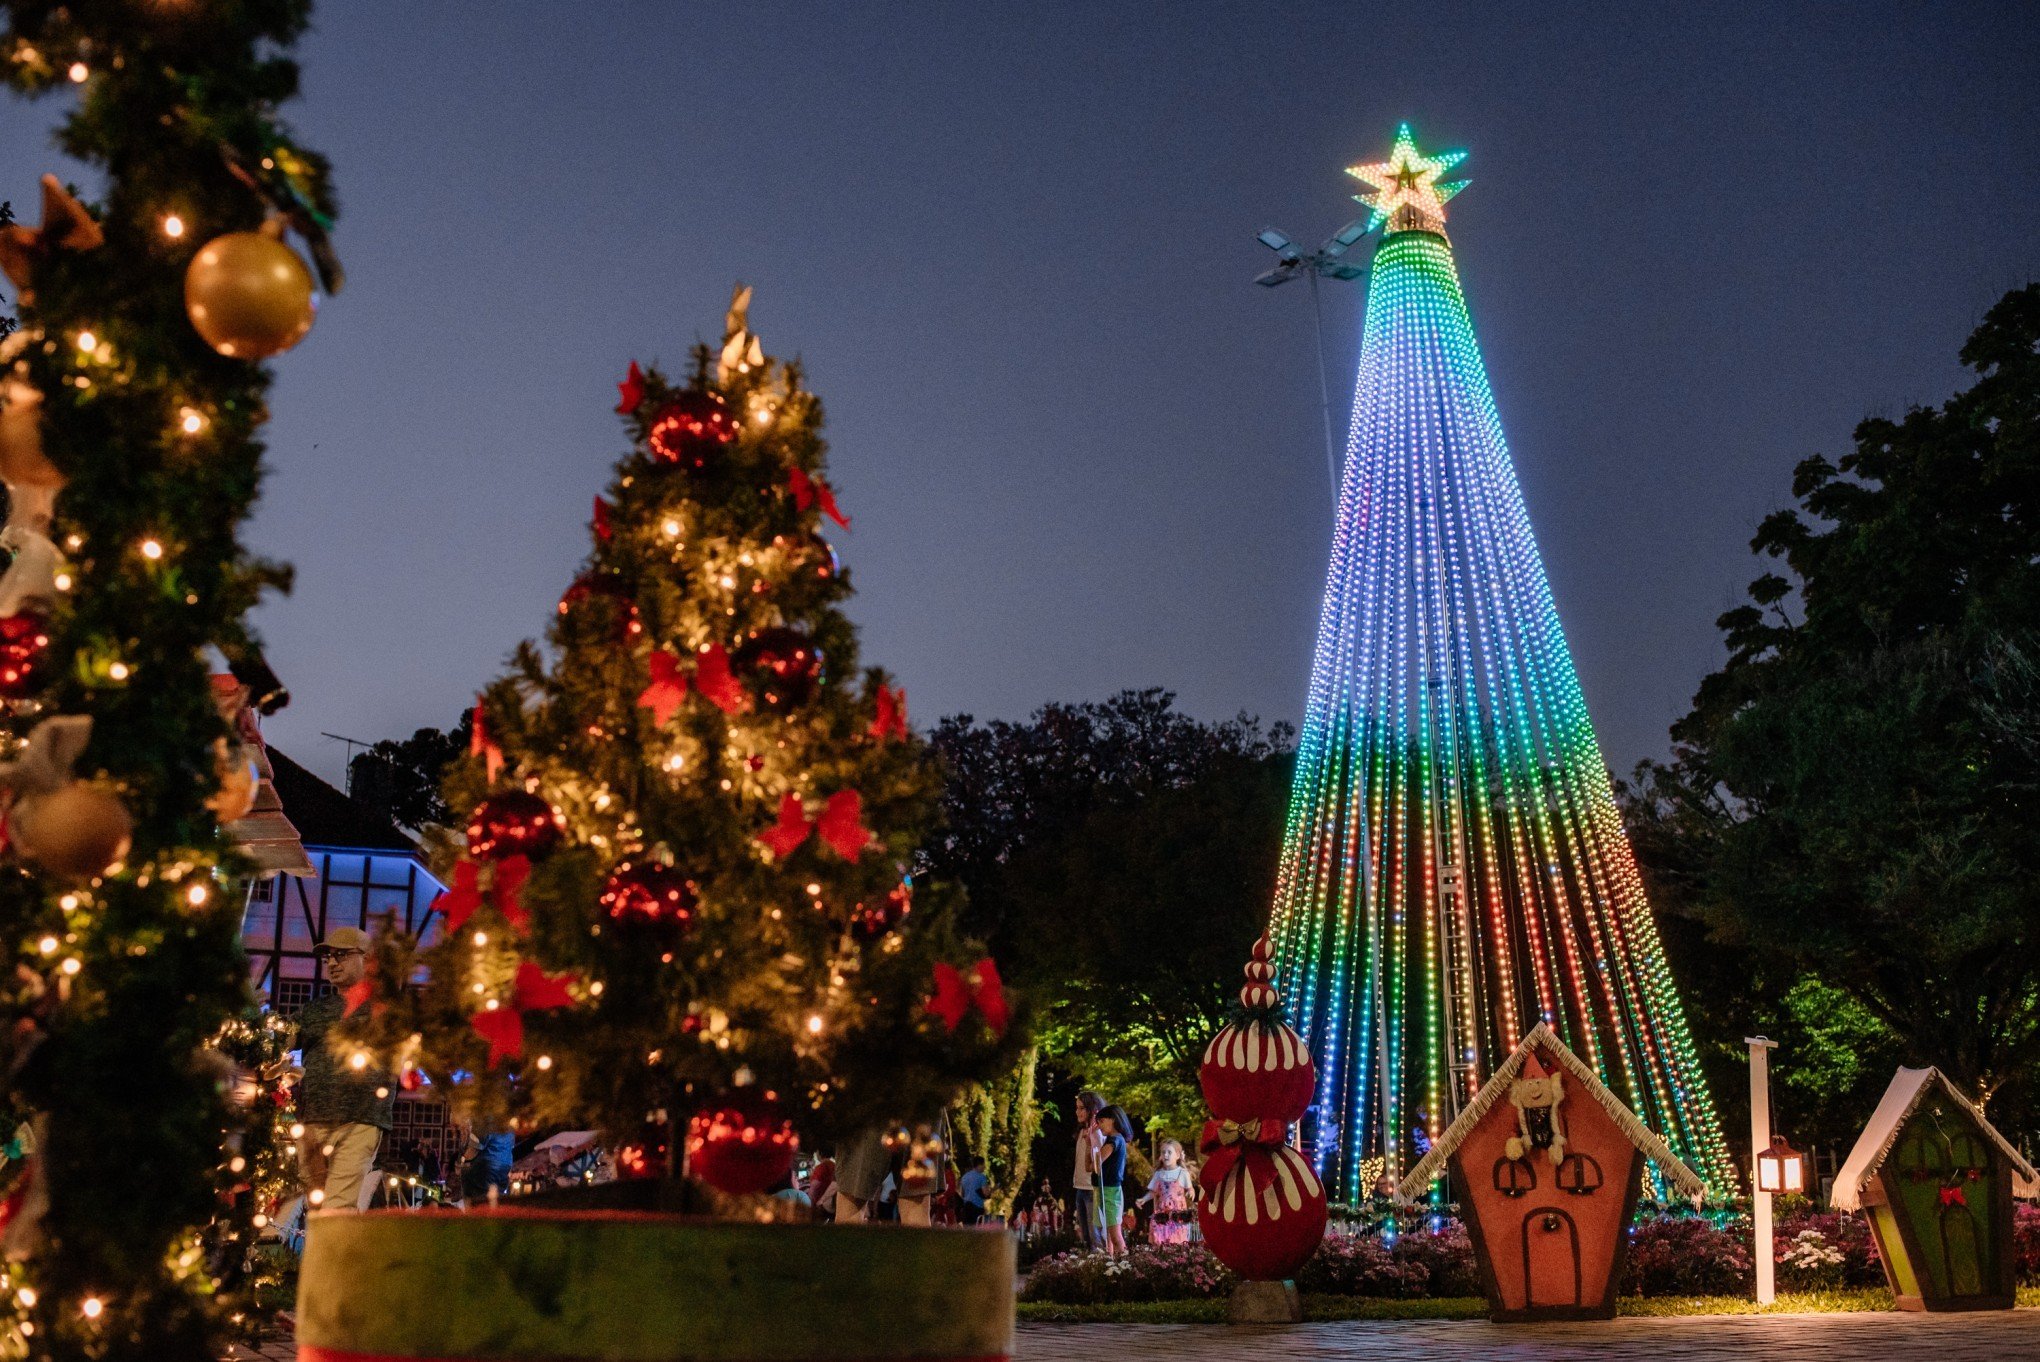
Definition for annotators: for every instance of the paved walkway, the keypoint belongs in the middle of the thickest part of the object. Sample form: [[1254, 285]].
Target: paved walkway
[[1996, 1336]]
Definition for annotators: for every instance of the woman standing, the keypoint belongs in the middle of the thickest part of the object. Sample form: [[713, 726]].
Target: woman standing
[[1171, 1192]]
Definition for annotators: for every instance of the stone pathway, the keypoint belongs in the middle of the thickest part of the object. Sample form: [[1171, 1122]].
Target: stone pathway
[[1996, 1336]]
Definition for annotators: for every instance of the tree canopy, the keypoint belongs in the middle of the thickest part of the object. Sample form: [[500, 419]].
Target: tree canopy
[[1852, 797]]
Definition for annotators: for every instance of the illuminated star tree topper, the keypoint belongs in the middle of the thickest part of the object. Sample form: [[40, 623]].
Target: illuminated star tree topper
[[1407, 195]]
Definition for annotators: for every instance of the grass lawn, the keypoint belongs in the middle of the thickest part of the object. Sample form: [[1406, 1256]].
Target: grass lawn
[[1460, 1307]]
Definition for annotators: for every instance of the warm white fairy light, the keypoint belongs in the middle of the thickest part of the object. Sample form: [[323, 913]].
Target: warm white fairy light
[[78, 72], [87, 341], [195, 896], [173, 226], [190, 420], [152, 549]]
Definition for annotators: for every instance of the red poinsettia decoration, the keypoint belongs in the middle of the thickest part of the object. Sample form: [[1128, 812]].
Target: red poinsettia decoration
[[668, 688], [958, 991], [808, 491]]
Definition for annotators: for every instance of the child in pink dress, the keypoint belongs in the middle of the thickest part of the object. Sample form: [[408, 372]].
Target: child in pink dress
[[1172, 1193]]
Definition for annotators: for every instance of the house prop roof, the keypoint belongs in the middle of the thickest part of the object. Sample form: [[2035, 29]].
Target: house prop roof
[[1544, 1040], [1908, 1088], [327, 818]]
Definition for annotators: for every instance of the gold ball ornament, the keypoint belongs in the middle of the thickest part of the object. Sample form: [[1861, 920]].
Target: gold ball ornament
[[74, 833], [249, 295]]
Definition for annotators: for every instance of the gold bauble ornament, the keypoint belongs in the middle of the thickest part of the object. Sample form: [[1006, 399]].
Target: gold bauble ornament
[[249, 295], [22, 463], [75, 832]]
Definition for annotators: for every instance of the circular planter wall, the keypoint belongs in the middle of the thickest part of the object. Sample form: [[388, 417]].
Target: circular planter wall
[[518, 1285]]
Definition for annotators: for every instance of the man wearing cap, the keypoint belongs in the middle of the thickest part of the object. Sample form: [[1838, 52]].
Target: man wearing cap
[[345, 1110]]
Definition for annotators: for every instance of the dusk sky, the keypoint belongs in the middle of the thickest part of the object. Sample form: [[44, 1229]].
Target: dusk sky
[[1014, 246]]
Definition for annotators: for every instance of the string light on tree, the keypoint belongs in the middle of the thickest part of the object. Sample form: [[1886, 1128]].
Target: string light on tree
[[1454, 869]]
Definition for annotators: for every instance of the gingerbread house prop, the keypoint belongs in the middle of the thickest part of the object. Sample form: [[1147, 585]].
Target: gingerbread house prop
[[1936, 1182], [1546, 1165]]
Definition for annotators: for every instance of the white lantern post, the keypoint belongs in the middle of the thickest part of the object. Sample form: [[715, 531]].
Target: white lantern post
[[1760, 1142]]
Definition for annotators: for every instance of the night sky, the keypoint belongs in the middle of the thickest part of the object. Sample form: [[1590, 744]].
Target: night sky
[[1015, 247]]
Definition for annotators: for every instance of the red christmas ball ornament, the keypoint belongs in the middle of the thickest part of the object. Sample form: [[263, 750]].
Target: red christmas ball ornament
[[692, 430], [24, 654], [648, 892], [1257, 1067], [1264, 1215], [513, 823], [786, 663], [870, 921], [743, 1143]]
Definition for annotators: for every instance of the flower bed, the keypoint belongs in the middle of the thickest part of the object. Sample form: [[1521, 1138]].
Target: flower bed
[[1681, 1256]]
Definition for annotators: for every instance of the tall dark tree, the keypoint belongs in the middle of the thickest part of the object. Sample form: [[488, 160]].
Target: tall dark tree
[[402, 776], [1120, 855], [1853, 796]]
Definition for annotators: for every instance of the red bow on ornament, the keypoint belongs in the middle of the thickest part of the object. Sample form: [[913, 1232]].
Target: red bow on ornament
[[459, 902], [631, 391], [1953, 1196], [668, 688], [807, 491], [956, 993], [533, 991], [841, 826], [1225, 1143], [890, 718], [712, 677], [480, 744]]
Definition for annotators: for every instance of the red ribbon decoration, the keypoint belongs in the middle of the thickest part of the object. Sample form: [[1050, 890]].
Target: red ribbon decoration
[[808, 491], [534, 991], [459, 903], [791, 830], [1953, 1196], [956, 993], [668, 688], [890, 718], [712, 677], [603, 530], [842, 825], [1225, 1143], [631, 391], [480, 744]]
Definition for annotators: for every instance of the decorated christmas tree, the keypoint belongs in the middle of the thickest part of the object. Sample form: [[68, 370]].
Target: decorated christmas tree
[[1454, 870], [129, 452], [681, 910]]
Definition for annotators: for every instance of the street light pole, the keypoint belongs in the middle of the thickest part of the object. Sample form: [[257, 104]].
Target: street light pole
[[1763, 1250], [1326, 261]]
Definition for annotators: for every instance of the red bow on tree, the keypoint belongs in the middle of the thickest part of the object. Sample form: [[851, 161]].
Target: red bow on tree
[[668, 688], [956, 993], [480, 744], [1953, 1196], [631, 391], [890, 718], [712, 677], [603, 531], [533, 991], [359, 994], [807, 491], [459, 902], [841, 825]]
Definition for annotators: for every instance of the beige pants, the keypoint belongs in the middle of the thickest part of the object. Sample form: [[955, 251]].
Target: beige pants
[[336, 1159]]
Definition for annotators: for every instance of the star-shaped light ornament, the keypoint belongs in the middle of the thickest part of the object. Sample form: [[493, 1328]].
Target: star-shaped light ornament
[[1407, 195]]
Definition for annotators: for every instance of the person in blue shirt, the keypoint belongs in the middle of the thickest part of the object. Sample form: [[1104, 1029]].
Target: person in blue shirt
[[970, 1192], [1114, 1126]]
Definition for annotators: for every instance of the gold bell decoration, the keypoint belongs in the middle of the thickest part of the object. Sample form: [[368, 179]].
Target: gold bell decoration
[[248, 294]]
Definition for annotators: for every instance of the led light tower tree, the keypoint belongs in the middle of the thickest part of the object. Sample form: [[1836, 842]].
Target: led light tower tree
[[1454, 870]]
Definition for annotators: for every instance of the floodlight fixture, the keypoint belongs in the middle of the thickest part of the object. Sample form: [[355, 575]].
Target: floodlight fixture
[[1323, 261]]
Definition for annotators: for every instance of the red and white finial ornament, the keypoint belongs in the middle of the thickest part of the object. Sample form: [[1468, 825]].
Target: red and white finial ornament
[[1257, 1068]]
